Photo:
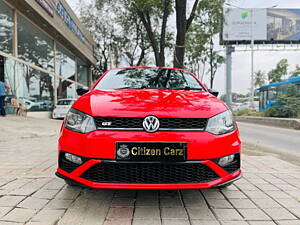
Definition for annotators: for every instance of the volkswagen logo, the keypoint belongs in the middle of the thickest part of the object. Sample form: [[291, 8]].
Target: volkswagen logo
[[151, 124]]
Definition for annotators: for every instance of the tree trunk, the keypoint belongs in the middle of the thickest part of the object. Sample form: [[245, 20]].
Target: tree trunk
[[211, 63], [142, 56], [163, 32], [145, 18], [181, 25]]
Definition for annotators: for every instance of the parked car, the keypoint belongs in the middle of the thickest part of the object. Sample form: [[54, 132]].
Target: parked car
[[30, 103], [149, 128], [61, 108]]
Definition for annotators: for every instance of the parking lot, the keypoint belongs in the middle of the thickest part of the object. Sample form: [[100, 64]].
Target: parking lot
[[268, 194]]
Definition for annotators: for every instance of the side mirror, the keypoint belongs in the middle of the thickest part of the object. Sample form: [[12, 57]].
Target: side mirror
[[213, 92], [82, 91]]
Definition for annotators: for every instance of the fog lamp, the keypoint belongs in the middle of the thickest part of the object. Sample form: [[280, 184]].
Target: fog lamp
[[224, 161], [73, 158]]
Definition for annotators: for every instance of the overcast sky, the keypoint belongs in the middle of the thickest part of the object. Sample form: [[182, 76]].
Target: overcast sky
[[241, 60]]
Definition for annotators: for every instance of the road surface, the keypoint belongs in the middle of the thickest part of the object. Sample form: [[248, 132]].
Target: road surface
[[278, 139]]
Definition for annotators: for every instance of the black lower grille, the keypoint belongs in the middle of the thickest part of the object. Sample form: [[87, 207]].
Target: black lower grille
[[65, 164], [137, 123], [234, 166], [149, 173]]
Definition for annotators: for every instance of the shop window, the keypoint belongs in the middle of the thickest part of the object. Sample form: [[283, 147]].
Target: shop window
[[65, 89], [65, 63], [34, 45], [6, 28], [82, 73], [32, 88]]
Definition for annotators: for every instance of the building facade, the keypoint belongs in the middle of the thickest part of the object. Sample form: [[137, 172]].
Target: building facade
[[45, 52]]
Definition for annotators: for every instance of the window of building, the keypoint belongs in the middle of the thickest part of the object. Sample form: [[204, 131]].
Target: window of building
[[6, 28], [32, 88], [65, 63], [66, 67], [65, 89], [82, 72], [34, 45]]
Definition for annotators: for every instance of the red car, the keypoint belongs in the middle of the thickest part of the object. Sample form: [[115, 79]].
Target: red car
[[149, 128]]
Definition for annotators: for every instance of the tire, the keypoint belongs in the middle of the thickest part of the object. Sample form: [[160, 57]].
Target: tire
[[71, 183], [225, 185]]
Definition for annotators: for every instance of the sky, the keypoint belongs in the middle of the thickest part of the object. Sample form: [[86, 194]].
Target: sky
[[241, 60]]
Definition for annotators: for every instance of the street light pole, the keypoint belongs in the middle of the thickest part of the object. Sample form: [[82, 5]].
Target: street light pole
[[252, 53], [252, 64]]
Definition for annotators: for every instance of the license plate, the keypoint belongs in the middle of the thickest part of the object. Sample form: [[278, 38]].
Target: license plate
[[151, 151]]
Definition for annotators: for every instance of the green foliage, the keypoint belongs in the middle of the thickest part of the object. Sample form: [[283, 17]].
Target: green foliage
[[271, 112], [118, 33], [275, 75], [247, 112], [296, 72], [260, 78], [205, 23], [288, 104], [200, 49]]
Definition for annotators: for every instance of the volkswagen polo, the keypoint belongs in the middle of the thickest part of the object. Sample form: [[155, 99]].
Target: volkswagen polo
[[149, 128]]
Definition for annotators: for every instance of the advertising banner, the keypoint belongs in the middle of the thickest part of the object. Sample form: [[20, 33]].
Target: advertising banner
[[261, 25]]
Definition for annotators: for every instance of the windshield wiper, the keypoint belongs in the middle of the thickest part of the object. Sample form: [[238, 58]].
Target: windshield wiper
[[142, 87], [189, 88]]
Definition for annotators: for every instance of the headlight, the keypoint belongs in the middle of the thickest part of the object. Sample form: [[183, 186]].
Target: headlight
[[221, 124], [79, 121]]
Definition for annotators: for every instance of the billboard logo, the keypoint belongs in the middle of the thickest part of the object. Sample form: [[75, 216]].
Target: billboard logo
[[244, 15]]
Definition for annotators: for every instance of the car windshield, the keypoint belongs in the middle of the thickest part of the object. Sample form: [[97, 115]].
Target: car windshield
[[146, 78]]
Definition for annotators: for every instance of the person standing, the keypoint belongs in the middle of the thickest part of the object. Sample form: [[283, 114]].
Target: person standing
[[3, 89]]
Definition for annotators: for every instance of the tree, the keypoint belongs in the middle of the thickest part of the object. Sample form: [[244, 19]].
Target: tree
[[259, 78], [200, 49], [155, 15], [182, 25], [117, 32], [134, 45], [215, 60], [288, 104], [102, 30], [150, 13], [296, 72], [275, 75], [205, 17]]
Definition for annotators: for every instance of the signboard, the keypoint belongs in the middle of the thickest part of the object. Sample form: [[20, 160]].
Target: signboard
[[262, 25], [45, 5], [62, 12]]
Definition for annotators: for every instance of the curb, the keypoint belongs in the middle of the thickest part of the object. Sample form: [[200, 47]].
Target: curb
[[270, 121]]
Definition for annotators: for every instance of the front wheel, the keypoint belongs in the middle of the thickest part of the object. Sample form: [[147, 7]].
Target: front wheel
[[225, 185], [71, 183]]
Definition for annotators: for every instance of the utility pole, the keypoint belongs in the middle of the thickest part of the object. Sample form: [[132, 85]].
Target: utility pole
[[229, 51], [252, 64]]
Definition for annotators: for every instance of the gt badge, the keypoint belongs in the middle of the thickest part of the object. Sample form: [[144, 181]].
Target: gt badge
[[123, 151]]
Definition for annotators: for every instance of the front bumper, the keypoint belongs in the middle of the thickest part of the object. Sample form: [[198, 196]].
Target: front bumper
[[145, 175], [99, 148]]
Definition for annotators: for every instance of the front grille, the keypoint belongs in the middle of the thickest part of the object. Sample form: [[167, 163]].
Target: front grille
[[136, 123], [66, 165], [155, 173]]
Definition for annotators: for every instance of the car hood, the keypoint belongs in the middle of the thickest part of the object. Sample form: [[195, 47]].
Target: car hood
[[144, 102]]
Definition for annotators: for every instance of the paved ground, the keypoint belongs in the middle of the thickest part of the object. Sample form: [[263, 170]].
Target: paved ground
[[268, 194], [271, 137]]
